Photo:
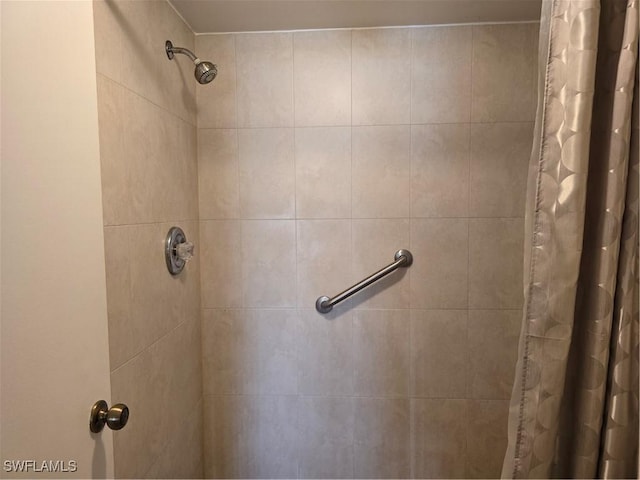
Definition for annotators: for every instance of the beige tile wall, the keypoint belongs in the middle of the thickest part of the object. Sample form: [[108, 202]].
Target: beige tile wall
[[320, 154], [148, 150]]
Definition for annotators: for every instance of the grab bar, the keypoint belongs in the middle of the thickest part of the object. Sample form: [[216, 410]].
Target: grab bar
[[403, 258]]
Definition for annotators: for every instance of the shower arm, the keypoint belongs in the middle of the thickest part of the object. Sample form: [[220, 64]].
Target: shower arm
[[171, 50], [204, 72]]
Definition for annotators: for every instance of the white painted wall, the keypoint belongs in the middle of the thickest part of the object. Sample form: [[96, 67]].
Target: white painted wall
[[54, 342]]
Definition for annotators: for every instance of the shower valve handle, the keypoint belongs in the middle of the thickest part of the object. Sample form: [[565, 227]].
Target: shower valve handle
[[184, 251]]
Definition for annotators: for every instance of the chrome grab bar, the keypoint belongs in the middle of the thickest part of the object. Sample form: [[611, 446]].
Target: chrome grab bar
[[403, 258]]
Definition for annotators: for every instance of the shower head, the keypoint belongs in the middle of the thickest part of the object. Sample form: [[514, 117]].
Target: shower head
[[205, 71]]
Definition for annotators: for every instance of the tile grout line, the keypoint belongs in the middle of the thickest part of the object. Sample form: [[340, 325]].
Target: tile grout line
[[238, 170], [148, 347], [398, 124], [377, 309], [469, 159], [351, 316], [313, 219], [412, 430], [298, 433], [349, 396], [237, 126], [142, 97]]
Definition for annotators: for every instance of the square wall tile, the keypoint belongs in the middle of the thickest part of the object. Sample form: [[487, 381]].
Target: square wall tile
[[179, 360], [264, 63], [182, 454], [268, 263], [496, 255], [322, 77], [381, 352], [486, 437], [267, 173], [230, 363], [182, 187], [225, 438], [251, 436], [499, 166], [438, 353], [123, 341], [326, 437], [323, 172], [166, 374], [118, 280], [323, 253], [440, 170], [382, 438], [250, 351], [374, 244], [162, 163], [381, 76], [277, 437], [155, 307], [108, 37], [147, 141], [216, 102], [438, 276], [502, 81], [381, 171], [115, 166], [493, 351], [441, 75], [439, 438], [218, 181], [139, 446], [325, 353], [220, 265]]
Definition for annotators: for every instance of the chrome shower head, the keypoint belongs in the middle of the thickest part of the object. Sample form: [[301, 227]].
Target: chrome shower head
[[205, 71]]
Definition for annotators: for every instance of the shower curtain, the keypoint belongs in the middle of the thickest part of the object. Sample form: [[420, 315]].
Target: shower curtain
[[574, 406]]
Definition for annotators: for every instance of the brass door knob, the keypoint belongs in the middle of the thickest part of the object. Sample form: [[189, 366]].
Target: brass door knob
[[115, 417]]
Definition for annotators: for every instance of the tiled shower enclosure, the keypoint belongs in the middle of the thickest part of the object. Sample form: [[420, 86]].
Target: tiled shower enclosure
[[302, 168]]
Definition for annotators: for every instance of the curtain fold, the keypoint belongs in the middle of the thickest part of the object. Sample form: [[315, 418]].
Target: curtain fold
[[574, 406]]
